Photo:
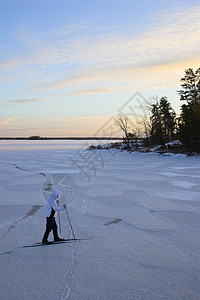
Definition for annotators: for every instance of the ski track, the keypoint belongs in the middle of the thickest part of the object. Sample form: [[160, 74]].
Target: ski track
[[69, 273], [19, 168], [31, 212]]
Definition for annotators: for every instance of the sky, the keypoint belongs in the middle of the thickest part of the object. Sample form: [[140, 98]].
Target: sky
[[68, 66]]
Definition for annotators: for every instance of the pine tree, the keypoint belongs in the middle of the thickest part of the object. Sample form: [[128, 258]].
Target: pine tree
[[168, 117], [191, 86], [163, 122], [189, 122]]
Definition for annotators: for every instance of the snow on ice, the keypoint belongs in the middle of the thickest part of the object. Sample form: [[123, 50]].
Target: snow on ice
[[140, 214]]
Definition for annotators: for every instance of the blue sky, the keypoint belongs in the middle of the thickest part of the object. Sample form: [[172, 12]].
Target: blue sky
[[68, 66]]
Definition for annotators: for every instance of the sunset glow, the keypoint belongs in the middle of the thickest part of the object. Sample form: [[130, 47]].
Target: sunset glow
[[68, 66]]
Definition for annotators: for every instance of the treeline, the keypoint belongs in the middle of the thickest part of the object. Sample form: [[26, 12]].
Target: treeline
[[37, 137], [162, 125], [166, 126]]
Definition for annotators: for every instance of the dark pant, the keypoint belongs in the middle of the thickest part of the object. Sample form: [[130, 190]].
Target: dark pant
[[50, 225]]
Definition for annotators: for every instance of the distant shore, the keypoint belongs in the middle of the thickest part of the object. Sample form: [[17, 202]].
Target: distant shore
[[60, 138]]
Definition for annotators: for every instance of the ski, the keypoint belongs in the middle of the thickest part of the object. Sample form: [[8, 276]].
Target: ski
[[52, 243], [64, 240]]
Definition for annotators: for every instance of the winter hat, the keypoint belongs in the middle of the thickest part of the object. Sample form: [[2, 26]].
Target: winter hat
[[53, 196]]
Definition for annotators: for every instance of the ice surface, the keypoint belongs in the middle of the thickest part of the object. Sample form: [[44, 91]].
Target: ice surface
[[140, 214], [183, 184]]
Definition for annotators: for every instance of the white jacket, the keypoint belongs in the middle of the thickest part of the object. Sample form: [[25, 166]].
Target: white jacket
[[51, 203]]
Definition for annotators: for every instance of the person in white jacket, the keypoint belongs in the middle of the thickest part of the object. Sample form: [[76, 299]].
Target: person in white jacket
[[51, 208]]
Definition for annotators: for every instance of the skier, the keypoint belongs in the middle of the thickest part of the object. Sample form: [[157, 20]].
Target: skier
[[51, 208]]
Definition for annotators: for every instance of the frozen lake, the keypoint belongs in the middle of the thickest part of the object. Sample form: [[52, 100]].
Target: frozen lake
[[139, 212], [45, 145]]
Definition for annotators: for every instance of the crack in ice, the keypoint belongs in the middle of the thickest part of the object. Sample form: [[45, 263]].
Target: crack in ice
[[68, 275]]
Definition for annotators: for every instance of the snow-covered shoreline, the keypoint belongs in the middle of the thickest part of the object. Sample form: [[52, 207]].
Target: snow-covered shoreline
[[173, 148], [140, 214]]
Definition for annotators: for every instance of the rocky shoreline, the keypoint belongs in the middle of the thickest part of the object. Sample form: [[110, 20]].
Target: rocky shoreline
[[168, 149]]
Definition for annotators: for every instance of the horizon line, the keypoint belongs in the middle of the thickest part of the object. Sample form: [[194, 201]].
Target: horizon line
[[67, 138]]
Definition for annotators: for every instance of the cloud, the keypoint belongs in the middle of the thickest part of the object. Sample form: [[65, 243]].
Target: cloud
[[126, 57], [98, 90], [78, 57], [126, 77], [24, 101], [9, 121]]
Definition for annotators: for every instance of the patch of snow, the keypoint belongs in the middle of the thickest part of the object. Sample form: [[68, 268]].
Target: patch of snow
[[169, 174], [174, 143], [183, 184], [178, 155]]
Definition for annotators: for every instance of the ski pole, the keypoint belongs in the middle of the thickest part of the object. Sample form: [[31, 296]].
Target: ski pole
[[70, 223], [59, 223]]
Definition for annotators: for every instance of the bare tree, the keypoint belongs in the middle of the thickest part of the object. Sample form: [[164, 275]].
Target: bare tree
[[122, 121], [147, 127]]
